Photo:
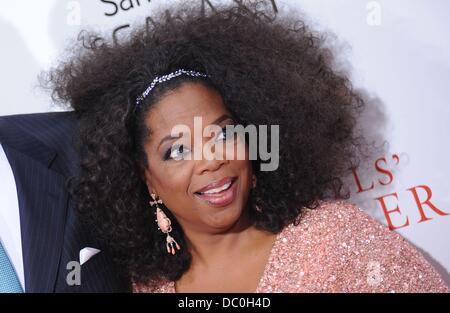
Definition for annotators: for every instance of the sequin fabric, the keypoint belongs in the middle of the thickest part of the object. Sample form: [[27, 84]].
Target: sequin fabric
[[337, 247]]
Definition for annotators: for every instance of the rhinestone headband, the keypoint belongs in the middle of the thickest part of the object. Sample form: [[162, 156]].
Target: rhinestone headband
[[161, 79]]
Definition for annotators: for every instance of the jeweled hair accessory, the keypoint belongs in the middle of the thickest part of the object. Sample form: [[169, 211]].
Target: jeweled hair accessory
[[161, 79]]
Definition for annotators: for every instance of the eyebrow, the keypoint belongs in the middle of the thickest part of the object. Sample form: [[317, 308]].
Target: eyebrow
[[217, 121]]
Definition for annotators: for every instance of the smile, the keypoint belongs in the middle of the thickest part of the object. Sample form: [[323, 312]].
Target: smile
[[220, 193]]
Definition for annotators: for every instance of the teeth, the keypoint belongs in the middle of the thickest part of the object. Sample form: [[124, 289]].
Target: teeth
[[218, 189]]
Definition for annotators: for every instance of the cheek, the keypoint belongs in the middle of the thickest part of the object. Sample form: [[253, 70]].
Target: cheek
[[170, 180], [242, 165], [175, 181], [244, 169], [172, 184], [236, 150], [239, 156]]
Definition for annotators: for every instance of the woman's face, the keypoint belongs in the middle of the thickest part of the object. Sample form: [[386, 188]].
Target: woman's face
[[176, 176]]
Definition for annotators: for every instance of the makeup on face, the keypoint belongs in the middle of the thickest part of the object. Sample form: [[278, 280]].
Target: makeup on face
[[219, 193], [207, 194]]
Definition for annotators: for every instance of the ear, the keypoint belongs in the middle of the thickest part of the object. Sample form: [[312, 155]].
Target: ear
[[148, 180], [143, 175]]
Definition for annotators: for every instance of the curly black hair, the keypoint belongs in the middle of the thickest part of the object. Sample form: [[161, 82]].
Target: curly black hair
[[269, 69]]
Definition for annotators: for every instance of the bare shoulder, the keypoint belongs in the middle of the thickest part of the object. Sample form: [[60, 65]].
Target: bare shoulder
[[352, 252]]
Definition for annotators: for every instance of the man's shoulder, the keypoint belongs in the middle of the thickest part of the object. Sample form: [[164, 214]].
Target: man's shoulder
[[47, 119], [50, 128]]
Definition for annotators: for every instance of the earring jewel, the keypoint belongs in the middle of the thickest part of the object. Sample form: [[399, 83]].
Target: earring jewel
[[164, 225]]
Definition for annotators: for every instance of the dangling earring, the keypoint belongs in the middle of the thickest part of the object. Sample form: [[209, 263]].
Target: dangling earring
[[165, 225], [257, 208]]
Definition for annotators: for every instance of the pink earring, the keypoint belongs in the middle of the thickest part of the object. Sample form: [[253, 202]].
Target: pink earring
[[253, 187], [165, 225]]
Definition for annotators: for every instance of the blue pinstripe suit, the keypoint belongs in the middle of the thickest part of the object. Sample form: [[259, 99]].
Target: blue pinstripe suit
[[39, 148]]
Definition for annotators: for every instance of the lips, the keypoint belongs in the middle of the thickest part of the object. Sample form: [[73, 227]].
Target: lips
[[217, 185], [219, 193]]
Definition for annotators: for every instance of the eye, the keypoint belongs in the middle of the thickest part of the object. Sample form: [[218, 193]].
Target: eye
[[176, 152], [223, 134]]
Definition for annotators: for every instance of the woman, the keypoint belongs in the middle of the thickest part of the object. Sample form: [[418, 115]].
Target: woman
[[177, 223]]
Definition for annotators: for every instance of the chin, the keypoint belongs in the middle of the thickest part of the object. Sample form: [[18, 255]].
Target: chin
[[224, 219]]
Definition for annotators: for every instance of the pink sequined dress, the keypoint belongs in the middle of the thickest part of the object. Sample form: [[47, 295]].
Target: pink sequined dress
[[337, 247]]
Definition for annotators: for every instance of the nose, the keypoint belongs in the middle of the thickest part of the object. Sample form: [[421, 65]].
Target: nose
[[210, 164]]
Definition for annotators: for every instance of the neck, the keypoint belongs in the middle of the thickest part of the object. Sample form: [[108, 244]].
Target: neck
[[207, 247]]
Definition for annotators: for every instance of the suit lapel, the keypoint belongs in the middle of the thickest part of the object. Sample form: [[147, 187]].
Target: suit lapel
[[42, 205]]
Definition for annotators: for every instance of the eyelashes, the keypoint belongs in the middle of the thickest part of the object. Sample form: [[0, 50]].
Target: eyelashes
[[171, 153], [177, 152]]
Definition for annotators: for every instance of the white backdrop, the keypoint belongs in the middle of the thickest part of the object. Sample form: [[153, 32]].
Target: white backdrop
[[397, 50]]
